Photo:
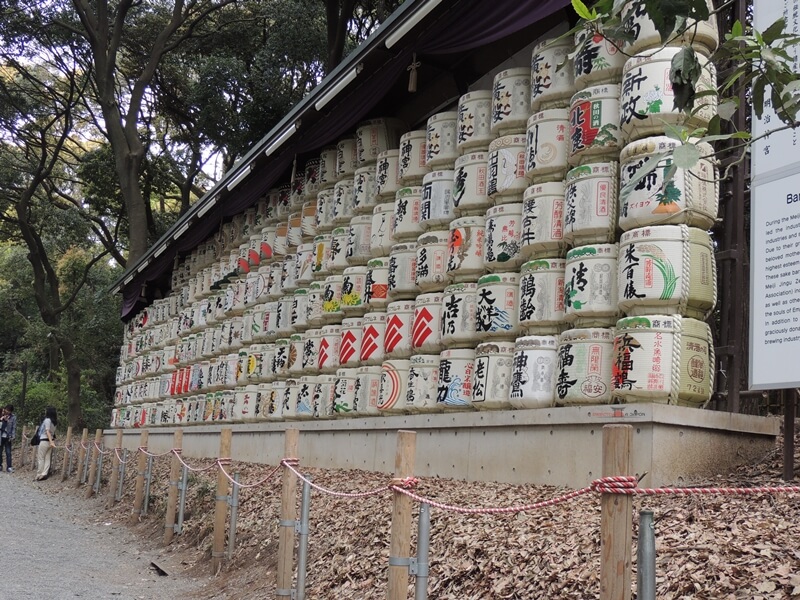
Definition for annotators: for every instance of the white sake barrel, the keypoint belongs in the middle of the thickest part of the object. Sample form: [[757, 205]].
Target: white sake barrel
[[541, 296], [431, 273], [350, 346], [284, 315], [325, 205], [474, 127], [552, 79], [543, 221], [376, 136], [284, 205], [412, 161], [275, 405], [344, 202], [253, 260], [316, 292], [456, 369], [703, 35], [459, 314], [328, 359], [465, 248], [337, 261], [597, 60], [369, 389], [300, 309], [372, 336], [387, 175], [261, 291], [289, 273], [469, 184], [423, 383], [266, 250], [646, 104], [247, 331], [441, 149], [436, 208], [280, 361], [590, 286], [403, 271], [344, 395], [255, 362], [324, 392], [399, 320], [266, 207], [505, 169], [583, 369], [533, 372], [311, 350], [491, 382], [298, 190], [663, 358], [511, 98], [381, 231], [407, 214], [364, 198], [308, 222], [311, 171], [270, 326], [590, 204], [280, 246], [296, 347], [426, 328], [346, 159], [327, 167], [332, 299], [376, 286], [264, 397], [497, 313], [690, 198], [546, 145], [501, 245], [322, 255], [594, 132], [359, 240], [305, 397], [667, 269], [354, 282], [394, 384], [304, 263]]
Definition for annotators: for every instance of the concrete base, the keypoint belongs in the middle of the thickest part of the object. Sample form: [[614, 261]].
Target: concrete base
[[673, 445]]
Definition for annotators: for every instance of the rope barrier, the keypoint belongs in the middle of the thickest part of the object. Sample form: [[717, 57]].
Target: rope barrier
[[144, 451], [100, 450], [119, 458], [248, 485], [375, 492], [192, 469], [627, 485]]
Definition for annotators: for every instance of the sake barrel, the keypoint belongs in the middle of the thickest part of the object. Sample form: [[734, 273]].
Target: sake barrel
[[359, 239], [469, 184], [284, 205], [368, 390], [533, 372], [332, 299], [505, 171], [364, 198], [275, 406], [270, 326], [590, 286], [311, 351], [511, 100], [492, 378], [583, 368], [381, 231], [376, 136], [394, 384], [399, 320], [441, 149], [663, 358], [275, 275], [459, 315], [372, 336], [305, 396], [667, 269], [647, 100], [288, 274], [290, 394], [343, 201], [497, 313], [590, 204], [501, 245], [541, 296], [423, 383], [305, 263], [296, 347], [690, 198], [376, 285], [387, 175], [465, 248], [431, 273], [426, 328], [264, 398], [456, 369], [327, 167], [702, 35], [346, 159], [298, 190], [594, 131], [316, 292], [546, 145], [354, 282], [350, 346], [436, 208], [543, 221], [597, 59], [412, 164], [280, 361], [407, 214], [311, 170], [266, 249], [325, 202], [328, 359], [403, 271], [337, 261], [552, 80], [308, 224], [344, 395], [474, 127], [322, 255], [324, 392], [280, 247]]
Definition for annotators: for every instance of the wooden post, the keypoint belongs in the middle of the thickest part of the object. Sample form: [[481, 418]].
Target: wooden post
[[98, 437], [400, 545], [67, 448], [112, 486], [138, 497], [789, 399], [23, 446], [288, 518], [82, 455], [174, 480], [616, 517], [221, 509]]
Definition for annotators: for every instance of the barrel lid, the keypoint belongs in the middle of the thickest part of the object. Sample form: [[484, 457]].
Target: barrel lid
[[400, 306], [511, 278], [387, 154], [514, 72], [413, 190], [552, 188], [367, 169], [339, 231], [331, 329], [372, 317], [464, 286], [349, 322], [424, 359], [449, 353], [404, 247], [514, 208], [384, 207], [470, 221], [553, 43], [295, 337], [593, 251], [430, 298], [518, 139], [374, 369], [436, 175], [471, 157], [544, 264], [354, 270], [449, 115], [414, 134], [333, 279], [597, 92], [551, 114], [377, 263], [669, 323], [604, 169], [536, 341], [433, 237], [494, 348], [589, 334], [475, 95], [361, 220]]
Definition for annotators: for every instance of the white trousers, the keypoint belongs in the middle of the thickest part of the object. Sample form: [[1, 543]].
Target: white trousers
[[43, 458]]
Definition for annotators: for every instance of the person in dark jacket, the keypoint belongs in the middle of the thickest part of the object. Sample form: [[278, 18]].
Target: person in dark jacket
[[8, 431]]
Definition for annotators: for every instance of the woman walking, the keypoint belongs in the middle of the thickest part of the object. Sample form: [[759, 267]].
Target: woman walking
[[47, 437]]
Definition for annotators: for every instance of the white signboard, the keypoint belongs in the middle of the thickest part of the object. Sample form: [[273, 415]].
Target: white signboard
[[775, 233]]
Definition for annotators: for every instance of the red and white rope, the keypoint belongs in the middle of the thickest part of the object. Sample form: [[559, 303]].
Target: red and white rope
[[289, 465], [248, 485], [177, 452], [627, 485], [144, 451], [119, 458]]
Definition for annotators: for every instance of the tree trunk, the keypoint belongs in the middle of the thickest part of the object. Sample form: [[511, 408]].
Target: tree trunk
[[74, 411], [337, 19]]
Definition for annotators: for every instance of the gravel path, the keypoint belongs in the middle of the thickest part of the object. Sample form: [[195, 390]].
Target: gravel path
[[56, 546]]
